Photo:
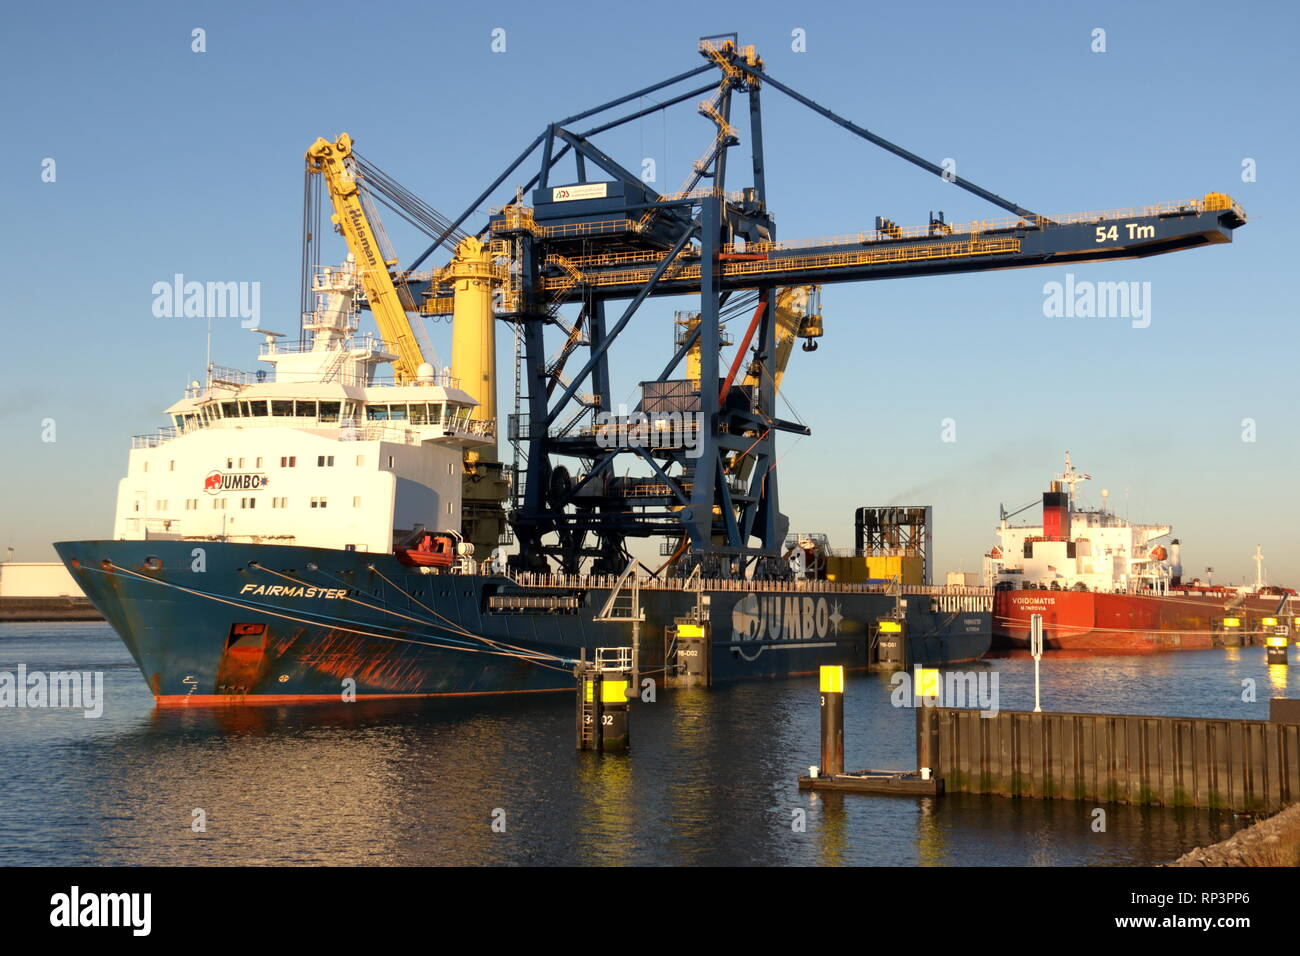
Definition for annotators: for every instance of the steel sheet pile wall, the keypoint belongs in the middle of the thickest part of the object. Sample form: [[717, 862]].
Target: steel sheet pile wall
[[1168, 761]]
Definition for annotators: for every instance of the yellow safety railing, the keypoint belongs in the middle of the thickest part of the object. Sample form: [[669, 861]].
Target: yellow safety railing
[[820, 261], [621, 258]]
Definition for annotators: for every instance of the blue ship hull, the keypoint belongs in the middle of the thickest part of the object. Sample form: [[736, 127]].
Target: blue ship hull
[[221, 622]]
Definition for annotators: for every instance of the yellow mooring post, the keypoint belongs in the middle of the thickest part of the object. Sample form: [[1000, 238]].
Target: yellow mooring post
[[832, 690], [614, 732], [603, 684], [1231, 632], [1276, 640]]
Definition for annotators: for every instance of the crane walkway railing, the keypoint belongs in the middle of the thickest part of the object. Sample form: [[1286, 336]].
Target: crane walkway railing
[[813, 261]]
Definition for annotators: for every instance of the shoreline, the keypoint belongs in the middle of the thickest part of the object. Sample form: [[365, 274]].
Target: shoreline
[[47, 609], [1272, 841]]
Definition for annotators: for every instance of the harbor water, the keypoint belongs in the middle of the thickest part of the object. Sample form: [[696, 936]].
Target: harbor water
[[711, 779]]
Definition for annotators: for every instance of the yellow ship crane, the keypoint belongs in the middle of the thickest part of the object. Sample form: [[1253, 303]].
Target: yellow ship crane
[[332, 162], [470, 278]]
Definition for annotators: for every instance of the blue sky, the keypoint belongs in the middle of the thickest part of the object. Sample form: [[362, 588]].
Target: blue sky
[[172, 161]]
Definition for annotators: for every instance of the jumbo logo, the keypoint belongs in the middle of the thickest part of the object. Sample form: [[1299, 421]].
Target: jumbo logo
[[217, 482], [783, 618]]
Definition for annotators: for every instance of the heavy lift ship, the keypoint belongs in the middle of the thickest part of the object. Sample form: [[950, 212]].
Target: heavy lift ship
[[293, 532]]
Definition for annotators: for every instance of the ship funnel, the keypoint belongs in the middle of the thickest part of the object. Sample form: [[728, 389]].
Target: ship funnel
[[1176, 561], [1056, 512]]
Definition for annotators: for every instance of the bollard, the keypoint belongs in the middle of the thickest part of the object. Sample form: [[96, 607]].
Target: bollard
[[1277, 650], [694, 660], [614, 730], [832, 690], [1231, 636], [603, 722], [891, 643], [927, 741]]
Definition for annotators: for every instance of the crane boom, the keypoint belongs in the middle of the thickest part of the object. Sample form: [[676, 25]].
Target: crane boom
[[330, 160]]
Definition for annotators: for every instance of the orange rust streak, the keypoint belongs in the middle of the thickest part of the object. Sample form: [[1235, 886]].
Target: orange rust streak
[[184, 700]]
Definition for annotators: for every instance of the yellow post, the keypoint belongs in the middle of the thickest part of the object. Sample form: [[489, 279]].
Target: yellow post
[[473, 331], [927, 683], [832, 710]]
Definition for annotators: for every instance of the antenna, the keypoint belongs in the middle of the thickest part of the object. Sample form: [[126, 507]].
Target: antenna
[[1072, 477]]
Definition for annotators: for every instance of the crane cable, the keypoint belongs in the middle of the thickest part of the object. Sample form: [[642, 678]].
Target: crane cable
[[406, 204]]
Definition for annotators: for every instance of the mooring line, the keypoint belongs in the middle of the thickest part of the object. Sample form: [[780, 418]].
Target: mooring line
[[507, 649], [323, 621]]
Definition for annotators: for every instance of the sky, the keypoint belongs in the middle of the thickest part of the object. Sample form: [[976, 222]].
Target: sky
[[168, 161]]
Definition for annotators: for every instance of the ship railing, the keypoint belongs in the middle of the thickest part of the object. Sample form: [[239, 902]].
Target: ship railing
[[901, 551], [479, 426], [160, 437], [973, 597], [349, 429], [364, 342], [223, 375]]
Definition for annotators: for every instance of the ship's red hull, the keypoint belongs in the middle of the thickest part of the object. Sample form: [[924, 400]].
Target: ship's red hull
[[1129, 623]]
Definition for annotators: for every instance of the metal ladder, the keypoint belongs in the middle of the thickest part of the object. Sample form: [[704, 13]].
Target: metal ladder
[[624, 601]]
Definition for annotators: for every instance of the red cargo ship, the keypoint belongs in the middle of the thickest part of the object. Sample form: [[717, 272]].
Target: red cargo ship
[[1104, 584]]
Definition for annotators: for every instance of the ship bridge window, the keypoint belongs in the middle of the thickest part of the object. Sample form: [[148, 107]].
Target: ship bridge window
[[257, 408], [305, 409], [386, 413], [426, 414], [329, 411], [230, 409], [282, 408]]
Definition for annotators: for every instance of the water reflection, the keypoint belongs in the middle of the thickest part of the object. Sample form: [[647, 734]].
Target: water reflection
[[711, 779]]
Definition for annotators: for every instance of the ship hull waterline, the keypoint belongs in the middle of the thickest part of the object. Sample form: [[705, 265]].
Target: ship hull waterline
[[1128, 623], [225, 622]]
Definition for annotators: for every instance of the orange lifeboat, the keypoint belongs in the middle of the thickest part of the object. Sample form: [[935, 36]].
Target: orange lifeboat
[[1158, 553], [432, 551]]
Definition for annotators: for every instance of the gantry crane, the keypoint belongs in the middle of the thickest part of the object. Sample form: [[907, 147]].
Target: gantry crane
[[606, 236]]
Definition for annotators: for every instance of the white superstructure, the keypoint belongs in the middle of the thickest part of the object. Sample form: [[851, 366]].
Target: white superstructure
[[315, 451], [1081, 549]]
